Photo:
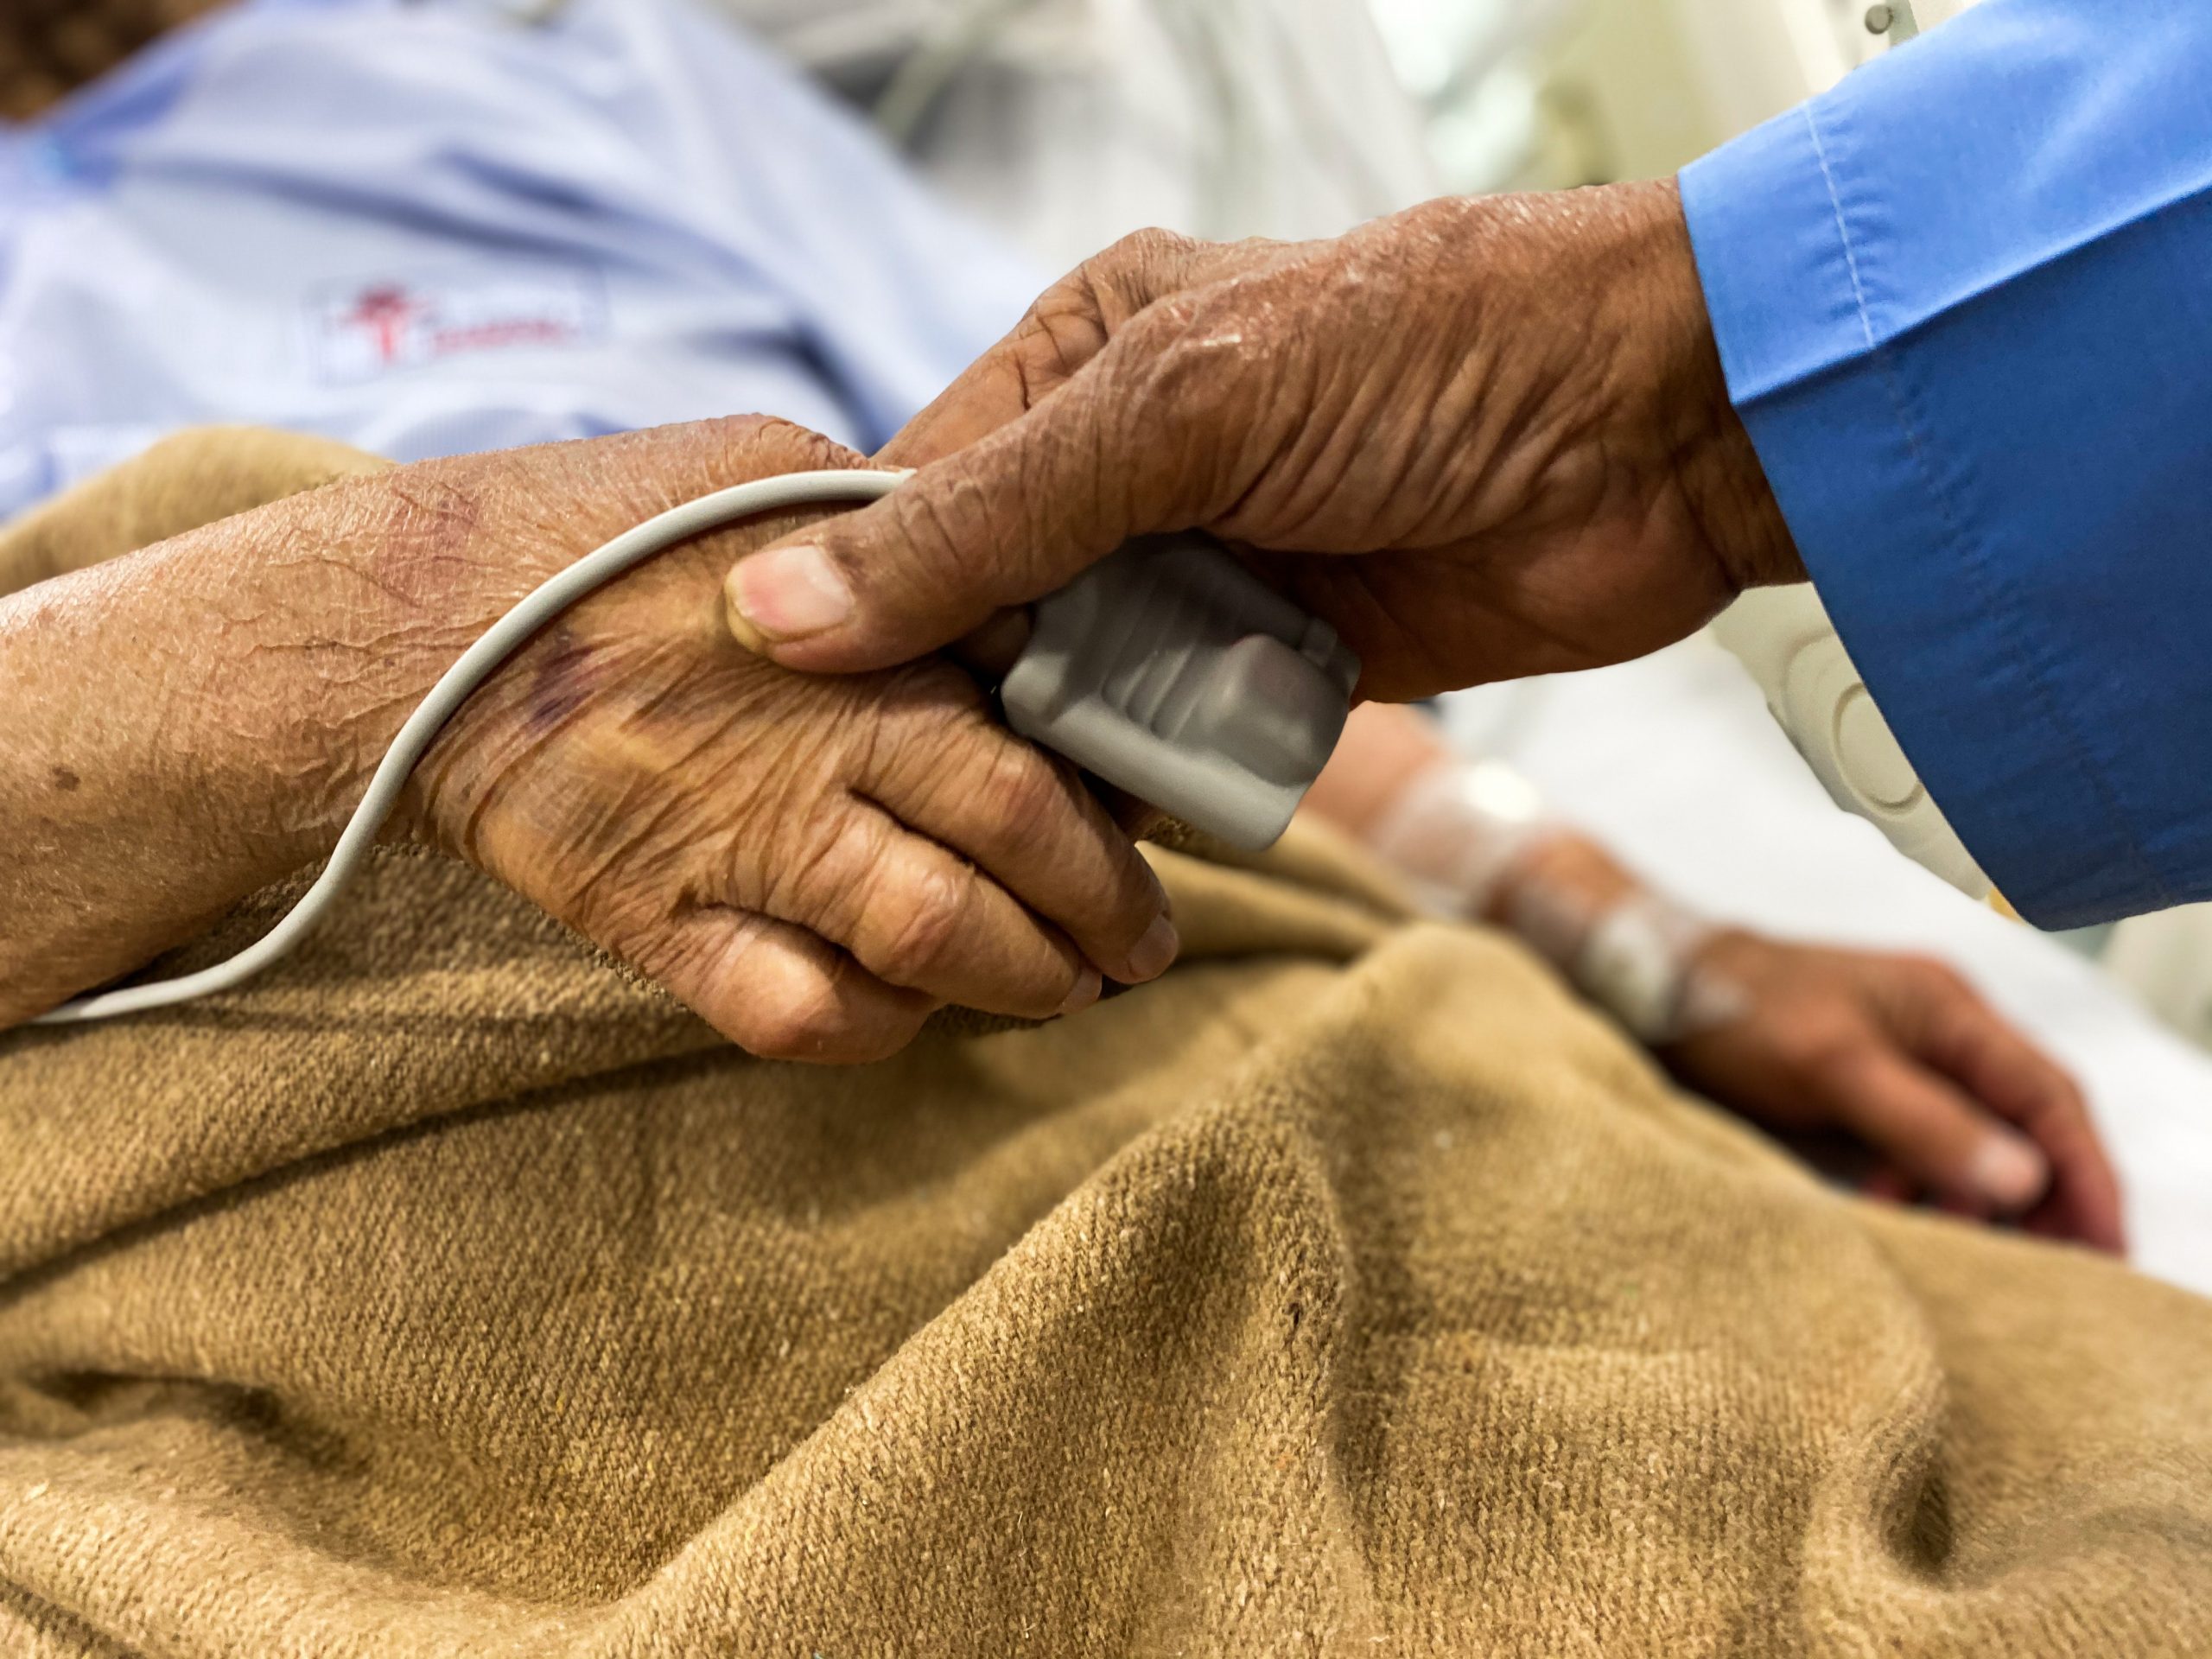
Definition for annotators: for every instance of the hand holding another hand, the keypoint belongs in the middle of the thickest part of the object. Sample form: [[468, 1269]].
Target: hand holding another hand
[[813, 865], [1485, 438]]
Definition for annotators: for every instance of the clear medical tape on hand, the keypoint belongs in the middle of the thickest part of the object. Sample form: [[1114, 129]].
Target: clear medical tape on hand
[[1459, 835]]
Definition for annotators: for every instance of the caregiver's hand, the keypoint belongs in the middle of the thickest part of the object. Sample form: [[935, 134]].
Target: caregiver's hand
[[814, 865], [1510, 409]]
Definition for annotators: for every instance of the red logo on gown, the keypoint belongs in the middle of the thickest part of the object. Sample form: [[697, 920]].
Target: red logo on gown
[[361, 330], [386, 311]]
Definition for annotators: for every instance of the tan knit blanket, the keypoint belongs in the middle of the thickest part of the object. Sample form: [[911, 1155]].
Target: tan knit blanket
[[1348, 1291]]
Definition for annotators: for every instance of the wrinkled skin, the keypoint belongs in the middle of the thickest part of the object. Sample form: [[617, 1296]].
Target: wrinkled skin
[[1487, 438], [813, 865]]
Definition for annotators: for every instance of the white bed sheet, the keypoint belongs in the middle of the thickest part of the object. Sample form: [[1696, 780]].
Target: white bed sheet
[[1674, 762]]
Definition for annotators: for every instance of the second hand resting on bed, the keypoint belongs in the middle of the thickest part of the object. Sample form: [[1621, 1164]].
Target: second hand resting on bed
[[1897, 1053]]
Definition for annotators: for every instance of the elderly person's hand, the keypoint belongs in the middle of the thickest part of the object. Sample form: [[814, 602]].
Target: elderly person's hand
[[1512, 407], [1892, 1062], [813, 865], [1901, 1056]]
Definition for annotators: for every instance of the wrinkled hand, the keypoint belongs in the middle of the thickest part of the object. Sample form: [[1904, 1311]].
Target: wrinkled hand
[[1511, 408], [813, 865], [1901, 1055]]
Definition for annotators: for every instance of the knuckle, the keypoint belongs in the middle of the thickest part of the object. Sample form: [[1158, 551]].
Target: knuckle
[[1832, 1057], [940, 511], [1141, 254], [1066, 330], [1073, 320], [826, 879], [1017, 786], [927, 930]]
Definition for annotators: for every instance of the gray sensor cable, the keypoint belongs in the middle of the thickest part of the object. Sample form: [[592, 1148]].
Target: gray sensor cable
[[1166, 668]]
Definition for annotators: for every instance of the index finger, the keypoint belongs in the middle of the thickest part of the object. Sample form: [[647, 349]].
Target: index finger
[[1068, 325], [1971, 1043], [1028, 820]]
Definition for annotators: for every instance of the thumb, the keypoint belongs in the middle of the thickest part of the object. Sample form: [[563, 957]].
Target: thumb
[[1008, 519]]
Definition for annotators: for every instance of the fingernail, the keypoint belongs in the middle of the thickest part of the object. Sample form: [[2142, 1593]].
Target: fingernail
[[1088, 985], [1154, 952], [788, 593], [2009, 1171]]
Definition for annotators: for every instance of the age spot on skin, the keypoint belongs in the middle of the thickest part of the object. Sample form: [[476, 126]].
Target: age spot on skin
[[66, 780]]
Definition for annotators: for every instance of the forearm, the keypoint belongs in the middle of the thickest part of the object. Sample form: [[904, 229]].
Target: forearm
[[1472, 840], [191, 721], [159, 761]]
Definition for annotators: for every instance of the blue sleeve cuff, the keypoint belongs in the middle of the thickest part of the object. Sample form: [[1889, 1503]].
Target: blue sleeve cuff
[[1995, 471]]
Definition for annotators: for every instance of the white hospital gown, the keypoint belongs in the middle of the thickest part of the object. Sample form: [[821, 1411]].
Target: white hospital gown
[[427, 228]]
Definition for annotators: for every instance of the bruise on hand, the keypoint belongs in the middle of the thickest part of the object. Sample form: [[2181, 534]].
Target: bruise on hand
[[563, 677]]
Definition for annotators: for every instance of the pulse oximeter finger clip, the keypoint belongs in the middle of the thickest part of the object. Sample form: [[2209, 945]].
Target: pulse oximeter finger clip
[[1172, 672]]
